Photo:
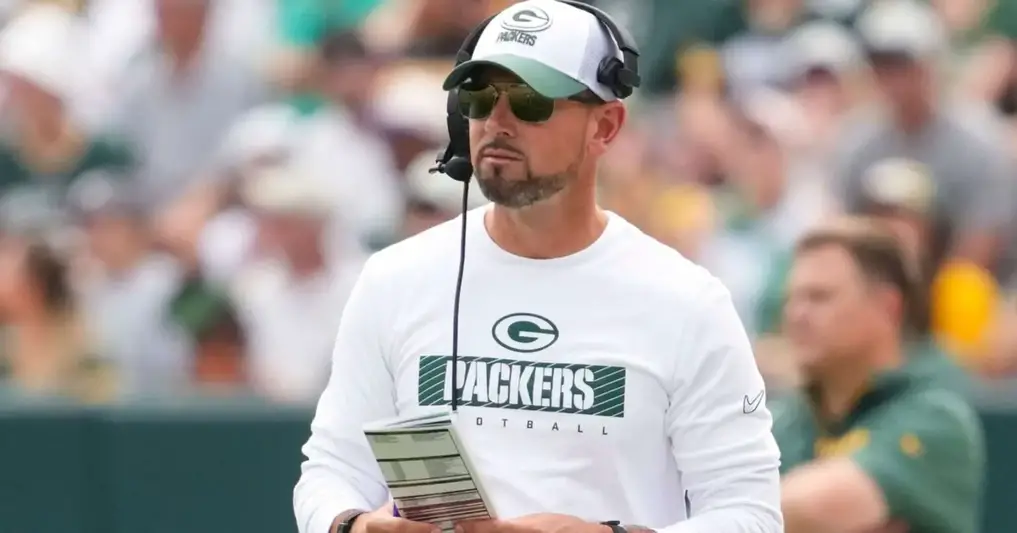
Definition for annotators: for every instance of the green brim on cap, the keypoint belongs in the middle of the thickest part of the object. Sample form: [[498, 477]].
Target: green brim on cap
[[544, 79]]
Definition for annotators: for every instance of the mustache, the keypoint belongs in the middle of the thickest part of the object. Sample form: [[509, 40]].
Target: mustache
[[501, 145]]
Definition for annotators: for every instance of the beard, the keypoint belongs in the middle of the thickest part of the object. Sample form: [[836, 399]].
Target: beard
[[517, 193]]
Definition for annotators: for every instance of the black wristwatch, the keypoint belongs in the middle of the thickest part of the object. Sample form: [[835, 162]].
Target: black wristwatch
[[615, 526], [346, 520]]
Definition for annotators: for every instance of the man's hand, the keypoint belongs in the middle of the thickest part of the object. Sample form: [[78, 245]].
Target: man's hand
[[536, 523], [382, 521]]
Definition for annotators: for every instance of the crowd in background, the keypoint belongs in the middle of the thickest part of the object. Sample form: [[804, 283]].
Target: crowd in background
[[188, 188]]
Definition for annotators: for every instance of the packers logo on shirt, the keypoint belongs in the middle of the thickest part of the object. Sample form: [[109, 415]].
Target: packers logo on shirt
[[524, 332], [595, 390], [848, 444]]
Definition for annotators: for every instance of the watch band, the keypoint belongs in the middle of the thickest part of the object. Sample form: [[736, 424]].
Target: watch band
[[616, 527], [344, 522]]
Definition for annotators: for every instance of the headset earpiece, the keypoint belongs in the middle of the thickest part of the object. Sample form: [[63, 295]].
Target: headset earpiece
[[608, 74]]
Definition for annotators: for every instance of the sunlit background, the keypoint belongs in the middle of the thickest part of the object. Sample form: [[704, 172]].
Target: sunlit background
[[188, 190]]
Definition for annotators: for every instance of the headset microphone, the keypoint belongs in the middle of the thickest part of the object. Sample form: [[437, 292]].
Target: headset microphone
[[460, 169], [620, 75]]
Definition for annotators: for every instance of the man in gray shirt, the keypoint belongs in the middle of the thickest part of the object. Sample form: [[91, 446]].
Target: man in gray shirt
[[183, 93], [962, 149]]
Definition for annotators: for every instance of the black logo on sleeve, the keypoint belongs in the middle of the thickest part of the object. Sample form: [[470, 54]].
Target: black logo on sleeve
[[750, 405]]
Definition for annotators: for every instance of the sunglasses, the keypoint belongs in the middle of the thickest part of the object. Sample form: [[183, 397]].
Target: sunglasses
[[477, 102]]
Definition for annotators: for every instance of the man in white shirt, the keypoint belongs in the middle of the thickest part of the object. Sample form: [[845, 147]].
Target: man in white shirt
[[602, 377]]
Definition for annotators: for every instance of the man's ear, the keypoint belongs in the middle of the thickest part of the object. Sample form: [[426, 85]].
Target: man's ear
[[608, 120], [891, 301]]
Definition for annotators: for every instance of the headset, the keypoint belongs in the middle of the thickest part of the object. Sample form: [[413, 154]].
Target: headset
[[619, 75]]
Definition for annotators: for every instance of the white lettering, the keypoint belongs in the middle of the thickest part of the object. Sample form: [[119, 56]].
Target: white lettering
[[584, 400], [539, 387], [461, 367], [447, 395], [480, 389], [469, 383], [519, 392], [499, 383]]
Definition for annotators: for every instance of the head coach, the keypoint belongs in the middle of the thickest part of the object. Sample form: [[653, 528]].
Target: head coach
[[602, 380]]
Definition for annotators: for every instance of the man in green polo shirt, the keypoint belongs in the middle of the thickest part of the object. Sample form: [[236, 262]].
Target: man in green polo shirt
[[877, 441]]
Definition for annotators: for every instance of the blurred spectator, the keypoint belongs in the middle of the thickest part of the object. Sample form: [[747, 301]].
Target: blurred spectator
[[426, 28], [304, 23], [120, 30], [674, 31], [126, 289], [882, 436], [220, 364], [826, 67], [352, 148], [900, 193], [769, 200], [434, 198], [758, 57], [410, 106], [45, 348], [291, 295], [42, 149], [184, 91], [962, 150], [964, 299], [331, 135]]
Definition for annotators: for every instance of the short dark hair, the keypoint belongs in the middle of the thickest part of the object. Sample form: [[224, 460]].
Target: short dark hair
[[588, 97], [343, 45], [48, 271], [881, 259]]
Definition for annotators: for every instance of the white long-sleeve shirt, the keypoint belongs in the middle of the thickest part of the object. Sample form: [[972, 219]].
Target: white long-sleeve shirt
[[616, 383]]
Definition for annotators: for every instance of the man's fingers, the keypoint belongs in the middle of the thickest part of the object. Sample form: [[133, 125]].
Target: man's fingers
[[400, 525], [407, 526], [477, 526]]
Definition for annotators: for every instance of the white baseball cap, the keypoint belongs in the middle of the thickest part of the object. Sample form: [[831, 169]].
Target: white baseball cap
[[38, 46], [553, 47], [826, 45], [903, 26], [286, 189]]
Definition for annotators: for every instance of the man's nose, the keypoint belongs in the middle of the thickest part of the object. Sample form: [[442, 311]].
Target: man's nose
[[794, 313], [501, 122]]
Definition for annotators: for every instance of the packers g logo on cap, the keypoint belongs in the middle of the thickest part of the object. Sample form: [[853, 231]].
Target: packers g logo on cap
[[528, 19], [524, 332]]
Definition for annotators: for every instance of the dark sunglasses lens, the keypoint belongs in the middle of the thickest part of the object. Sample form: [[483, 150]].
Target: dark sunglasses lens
[[477, 103], [529, 106], [526, 104]]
